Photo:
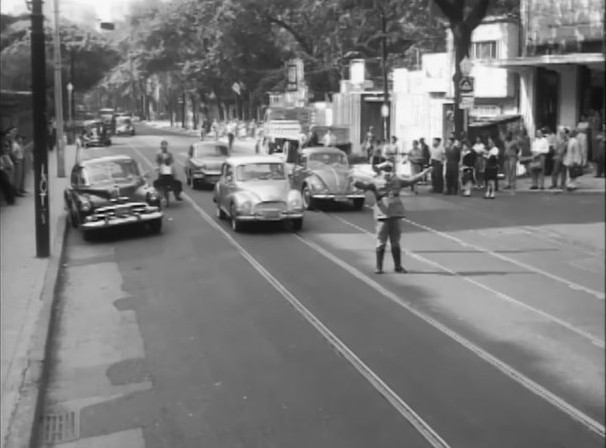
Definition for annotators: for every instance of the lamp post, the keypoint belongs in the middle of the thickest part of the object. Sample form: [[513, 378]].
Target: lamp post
[[70, 90], [38, 60], [58, 95]]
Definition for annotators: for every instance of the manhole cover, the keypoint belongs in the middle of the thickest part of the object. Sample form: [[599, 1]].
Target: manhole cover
[[61, 427]]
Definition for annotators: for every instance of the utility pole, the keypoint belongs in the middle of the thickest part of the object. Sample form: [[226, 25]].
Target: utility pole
[[385, 109], [58, 95], [38, 58]]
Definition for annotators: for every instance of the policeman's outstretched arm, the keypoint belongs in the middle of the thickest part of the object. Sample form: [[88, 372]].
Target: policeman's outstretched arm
[[408, 181]]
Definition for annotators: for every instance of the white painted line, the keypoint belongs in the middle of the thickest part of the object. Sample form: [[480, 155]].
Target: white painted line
[[597, 294], [400, 405], [591, 338], [512, 373]]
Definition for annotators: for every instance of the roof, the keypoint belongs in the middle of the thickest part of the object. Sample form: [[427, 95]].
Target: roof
[[321, 149], [590, 59], [245, 160], [118, 158], [489, 121]]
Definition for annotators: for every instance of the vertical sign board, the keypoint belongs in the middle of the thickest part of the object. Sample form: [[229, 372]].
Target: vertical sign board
[[292, 78], [466, 90]]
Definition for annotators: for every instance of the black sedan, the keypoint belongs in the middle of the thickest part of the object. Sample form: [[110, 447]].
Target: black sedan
[[109, 192]]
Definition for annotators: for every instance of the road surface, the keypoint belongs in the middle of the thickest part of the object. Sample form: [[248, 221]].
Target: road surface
[[200, 337]]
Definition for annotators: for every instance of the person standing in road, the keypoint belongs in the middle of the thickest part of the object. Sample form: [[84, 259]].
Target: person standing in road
[[389, 211], [166, 171], [559, 170], [480, 150], [453, 157], [492, 168], [512, 152], [468, 163], [437, 165], [415, 157], [540, 149]]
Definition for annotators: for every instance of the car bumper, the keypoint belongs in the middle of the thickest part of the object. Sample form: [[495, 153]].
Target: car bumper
[[337, 197], [206, 177], [266, 217], [114, 221]]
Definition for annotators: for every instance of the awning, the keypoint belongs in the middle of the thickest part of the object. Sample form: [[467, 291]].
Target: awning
[[491, 121], [594, 61]]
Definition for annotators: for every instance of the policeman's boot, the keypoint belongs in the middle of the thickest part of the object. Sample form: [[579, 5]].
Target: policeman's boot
[[380, 252], [396, 253]]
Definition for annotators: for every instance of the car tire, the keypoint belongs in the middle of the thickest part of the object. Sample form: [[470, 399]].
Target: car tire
[[296, 224], [308, 202], [235, 224], [358, 204], [156, 225], [220, 213]]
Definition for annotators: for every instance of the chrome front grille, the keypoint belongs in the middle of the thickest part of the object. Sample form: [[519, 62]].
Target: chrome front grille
[[117, 211], [271, 206]]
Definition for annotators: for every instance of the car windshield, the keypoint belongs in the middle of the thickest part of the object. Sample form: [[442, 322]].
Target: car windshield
[[115, 171], [260, 171], [211, 151], [123, 121], [326, 158]]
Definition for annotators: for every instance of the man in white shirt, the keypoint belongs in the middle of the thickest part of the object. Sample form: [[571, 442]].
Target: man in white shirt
[[540, 149], [437, 163], [329, 138]]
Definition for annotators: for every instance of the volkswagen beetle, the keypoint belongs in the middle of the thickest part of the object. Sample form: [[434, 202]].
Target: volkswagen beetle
[[109, 192], [257, 188], [323, 173], [204, 161]]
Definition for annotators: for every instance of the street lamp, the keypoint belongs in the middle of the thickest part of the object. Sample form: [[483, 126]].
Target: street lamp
[[70, 90]]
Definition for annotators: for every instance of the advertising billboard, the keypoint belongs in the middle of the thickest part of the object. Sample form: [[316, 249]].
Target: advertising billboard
[[563, 22]]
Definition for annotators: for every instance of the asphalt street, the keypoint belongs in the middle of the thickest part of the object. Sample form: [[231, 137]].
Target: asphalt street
[[200, 337]]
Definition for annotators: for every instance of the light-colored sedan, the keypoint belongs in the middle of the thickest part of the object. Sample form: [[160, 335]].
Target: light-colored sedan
[[257, 188], [204, 161]]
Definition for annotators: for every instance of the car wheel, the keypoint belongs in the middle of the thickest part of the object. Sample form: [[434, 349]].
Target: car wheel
[[308, 202], [235, 224], [220, 213], [156, 225], [358, 204], [297, 224]]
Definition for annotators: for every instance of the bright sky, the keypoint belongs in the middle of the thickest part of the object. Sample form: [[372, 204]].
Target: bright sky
[[104, 10]]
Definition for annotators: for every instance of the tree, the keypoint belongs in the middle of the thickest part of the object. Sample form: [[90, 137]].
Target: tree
[[463, 17]]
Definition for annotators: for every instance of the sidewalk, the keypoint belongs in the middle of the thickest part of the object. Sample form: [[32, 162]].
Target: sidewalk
[[586, 184], [28, 285]]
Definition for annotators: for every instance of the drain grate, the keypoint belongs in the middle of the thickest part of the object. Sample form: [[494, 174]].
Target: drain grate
[[61, 427]]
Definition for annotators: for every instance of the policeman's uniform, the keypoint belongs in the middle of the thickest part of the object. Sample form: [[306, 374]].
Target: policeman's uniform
[[388, 212]]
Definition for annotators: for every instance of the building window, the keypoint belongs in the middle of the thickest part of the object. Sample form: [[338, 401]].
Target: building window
[[486, 111], [484, 50]]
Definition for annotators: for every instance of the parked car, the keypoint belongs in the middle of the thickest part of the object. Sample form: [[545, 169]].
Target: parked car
[[124, 126], [257, 188], [323, 173], [96, 134], [204, 162], [108, 192]]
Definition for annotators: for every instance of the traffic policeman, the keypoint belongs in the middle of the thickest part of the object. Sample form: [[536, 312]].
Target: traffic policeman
[[389, 210]]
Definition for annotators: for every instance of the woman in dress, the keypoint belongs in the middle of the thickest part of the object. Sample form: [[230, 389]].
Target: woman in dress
[[480, 150], [468, 163], [491, 171]]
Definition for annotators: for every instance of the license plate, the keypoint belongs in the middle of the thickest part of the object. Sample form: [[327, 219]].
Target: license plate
[[341, 198], [271, 214]]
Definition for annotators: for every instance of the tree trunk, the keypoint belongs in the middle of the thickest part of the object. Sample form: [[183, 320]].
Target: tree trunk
[[461, 41]]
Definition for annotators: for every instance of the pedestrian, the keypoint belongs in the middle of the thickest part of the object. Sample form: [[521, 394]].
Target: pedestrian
[[426, 158], [388, 212], [415, 158], [480, 150], [7, 170], [329, 138], [468, 163], [231, 134], [573, 161], [559, 170], [377, 158], [512, 152], [540, 148], [437, 165], [551, 141], [165, 163], [491, 171], [452, 155], [52, 135], [391, 149], [583, 129], [598, 155], [18, 155]]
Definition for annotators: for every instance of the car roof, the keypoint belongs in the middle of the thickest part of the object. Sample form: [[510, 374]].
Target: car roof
[[209, 144], [106, 159], [321, 149], [245, 160]]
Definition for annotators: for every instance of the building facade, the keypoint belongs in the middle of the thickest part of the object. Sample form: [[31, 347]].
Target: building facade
[[561, 66]]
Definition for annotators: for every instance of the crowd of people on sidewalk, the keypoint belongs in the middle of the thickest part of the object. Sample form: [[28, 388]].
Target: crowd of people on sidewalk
[[15, 163], [460, 165]]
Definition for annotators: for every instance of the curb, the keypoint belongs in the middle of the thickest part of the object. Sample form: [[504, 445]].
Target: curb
[[25, 430]]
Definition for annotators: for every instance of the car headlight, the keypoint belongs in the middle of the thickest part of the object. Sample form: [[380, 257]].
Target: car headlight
[[152, 196], [85, 205], [295, 203], [245, 207], [201, 167]]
